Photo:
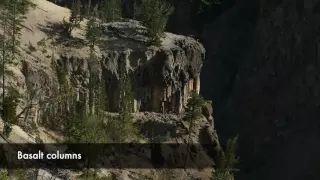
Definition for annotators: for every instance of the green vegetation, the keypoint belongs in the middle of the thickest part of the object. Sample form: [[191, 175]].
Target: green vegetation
[[74, 19], [8, 111], [126, 100], [11, 19], [193, 113], [110, 10], [227, 161], [194, 107], [4, 175], [20, 174], [86, 129], [17, 174], [93, 32], [61, 102], [97, 95], [154, 14]]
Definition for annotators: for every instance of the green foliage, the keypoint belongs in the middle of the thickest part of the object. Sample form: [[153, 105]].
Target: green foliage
[[193, 113], [89, 129], [226, 161], [20, 174], [74, 19], [60, 105], [194, 107], [154, 14], [110, 10], [93, 32], [124, 125], [11, 19], [4, 175], [8, 111], [83, 128]]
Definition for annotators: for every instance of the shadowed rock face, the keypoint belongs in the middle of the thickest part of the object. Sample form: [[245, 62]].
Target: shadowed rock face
[[262, 74]]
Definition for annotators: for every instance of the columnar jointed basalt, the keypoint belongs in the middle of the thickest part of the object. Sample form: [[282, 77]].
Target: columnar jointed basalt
[[162, 76]]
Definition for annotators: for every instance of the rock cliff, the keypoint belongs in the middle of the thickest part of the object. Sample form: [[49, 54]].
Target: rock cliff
[[162, 77]]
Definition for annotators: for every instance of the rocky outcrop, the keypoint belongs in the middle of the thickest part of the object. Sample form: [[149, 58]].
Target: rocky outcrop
[[162, 76]]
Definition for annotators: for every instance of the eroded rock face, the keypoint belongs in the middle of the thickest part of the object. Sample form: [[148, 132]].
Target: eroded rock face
[[162, 76]]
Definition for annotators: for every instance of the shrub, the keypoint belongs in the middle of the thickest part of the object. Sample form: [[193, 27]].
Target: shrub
[[226, 161]]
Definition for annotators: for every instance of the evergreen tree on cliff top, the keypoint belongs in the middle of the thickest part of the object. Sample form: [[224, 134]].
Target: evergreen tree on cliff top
[[154, 14], [110, 10]]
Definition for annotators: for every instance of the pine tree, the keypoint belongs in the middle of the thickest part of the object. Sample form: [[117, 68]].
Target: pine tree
[[192, 114], [124, 125], [74, 19], [226, 161], [154, 14], [97, 91], [93, 32], [11, 18], [110, 10]]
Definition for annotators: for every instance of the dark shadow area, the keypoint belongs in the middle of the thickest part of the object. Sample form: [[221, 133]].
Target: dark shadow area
[[153, 129]]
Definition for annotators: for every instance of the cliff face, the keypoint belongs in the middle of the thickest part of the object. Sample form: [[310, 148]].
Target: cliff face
[[262, 74], [163, 76]]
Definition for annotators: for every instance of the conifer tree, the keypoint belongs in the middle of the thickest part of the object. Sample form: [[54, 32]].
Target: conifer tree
[[74, 19], [93, 32], [226, 161], [193, 113], [154, 14], [96, 86], [124, 125], [12, 15], [110, 10]]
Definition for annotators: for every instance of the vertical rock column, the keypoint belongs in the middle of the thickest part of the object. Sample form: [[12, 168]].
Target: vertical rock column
[[196, 84]]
